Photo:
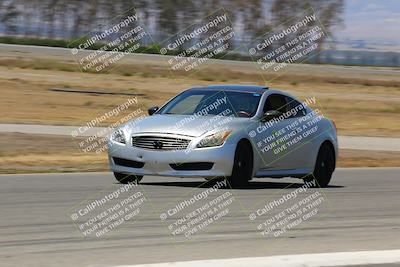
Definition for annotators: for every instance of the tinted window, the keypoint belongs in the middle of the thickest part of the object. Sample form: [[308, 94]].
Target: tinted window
[[276, 102], [295, 105]]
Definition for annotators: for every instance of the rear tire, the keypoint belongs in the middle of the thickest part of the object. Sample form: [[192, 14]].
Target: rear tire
[[127, 178], [242, 170], [324, 167]]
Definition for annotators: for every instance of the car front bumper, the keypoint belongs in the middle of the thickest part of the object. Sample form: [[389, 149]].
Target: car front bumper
[[157, 162]]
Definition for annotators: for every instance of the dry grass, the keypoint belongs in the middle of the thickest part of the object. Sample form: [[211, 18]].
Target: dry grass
[[21, 153], [360, 104], [366, 158], [357, 109]]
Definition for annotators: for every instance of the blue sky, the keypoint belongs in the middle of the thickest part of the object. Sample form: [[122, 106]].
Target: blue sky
[[371, 20]]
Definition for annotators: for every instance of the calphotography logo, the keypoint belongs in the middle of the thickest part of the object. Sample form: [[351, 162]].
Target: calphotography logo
[[198, 212], [103, 215], [199, 42], [294, 41], [95, 137], [288, 211], [103, 48]]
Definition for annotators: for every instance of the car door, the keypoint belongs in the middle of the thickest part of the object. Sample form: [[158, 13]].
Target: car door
[[267, 134], [299, 145]]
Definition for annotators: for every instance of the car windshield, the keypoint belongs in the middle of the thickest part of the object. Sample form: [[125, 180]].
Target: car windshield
[[211, 102]]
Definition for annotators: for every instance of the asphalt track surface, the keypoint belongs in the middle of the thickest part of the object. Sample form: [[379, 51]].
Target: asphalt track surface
[[360, 212]]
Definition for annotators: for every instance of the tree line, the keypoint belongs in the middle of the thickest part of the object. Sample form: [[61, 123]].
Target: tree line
[[68, 20]]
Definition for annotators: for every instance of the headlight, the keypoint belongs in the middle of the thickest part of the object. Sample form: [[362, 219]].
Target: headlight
[[216, 139], [118, 137]]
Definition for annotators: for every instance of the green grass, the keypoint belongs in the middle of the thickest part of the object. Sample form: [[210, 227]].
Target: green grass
[[153, 49]]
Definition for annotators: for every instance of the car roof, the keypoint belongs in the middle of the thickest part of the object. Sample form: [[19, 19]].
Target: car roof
[[237, 88]]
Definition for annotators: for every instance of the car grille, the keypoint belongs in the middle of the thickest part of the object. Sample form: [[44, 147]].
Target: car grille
[[160, 142]]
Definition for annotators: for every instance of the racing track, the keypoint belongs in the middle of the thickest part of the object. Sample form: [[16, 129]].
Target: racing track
[[360, 212]]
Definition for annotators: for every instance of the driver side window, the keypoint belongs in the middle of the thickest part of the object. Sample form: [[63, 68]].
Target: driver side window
[[276, 102], [296, 105]]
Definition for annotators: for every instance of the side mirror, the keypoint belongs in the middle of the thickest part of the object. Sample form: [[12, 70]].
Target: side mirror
[[271, 114], [152, 110]]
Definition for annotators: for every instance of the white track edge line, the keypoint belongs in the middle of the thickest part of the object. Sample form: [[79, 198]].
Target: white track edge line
[[299, 260]]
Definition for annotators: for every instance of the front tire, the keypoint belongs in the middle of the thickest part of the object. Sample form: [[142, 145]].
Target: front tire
[[127, 178], [324, 167], [242, 170]]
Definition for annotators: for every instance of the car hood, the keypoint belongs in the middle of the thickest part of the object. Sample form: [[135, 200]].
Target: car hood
[[181, 124]]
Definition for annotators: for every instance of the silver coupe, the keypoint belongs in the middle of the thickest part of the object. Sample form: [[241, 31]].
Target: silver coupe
[[233, 132]]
